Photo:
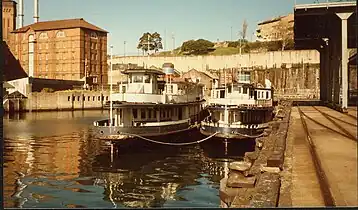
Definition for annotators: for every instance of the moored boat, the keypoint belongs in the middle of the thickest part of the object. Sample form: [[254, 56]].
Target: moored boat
[[238, 110], [152, 104]]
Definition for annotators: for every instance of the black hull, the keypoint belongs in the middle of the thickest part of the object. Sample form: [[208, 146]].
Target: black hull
[[118, 134], [134, 143], [231, 133]]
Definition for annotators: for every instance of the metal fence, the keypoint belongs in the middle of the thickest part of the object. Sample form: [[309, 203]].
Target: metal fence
[[320, 1]]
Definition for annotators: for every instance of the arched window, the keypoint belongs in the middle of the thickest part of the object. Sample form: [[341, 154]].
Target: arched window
[[94, 35], [60, 34], [43, 35]]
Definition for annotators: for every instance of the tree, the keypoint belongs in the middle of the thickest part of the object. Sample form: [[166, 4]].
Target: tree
[[198, 47], [284, 33], [157, 41], [244, 30], [150, 42], [242, 33]]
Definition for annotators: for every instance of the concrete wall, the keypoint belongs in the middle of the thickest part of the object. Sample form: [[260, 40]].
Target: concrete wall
[[66, 100], [262, 60], [299, 81]]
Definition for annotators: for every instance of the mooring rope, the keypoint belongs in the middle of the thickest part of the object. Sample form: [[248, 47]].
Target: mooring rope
[[172, 144], [248, 136]]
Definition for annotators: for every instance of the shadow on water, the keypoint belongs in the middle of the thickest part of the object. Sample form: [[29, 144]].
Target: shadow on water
[[167, 176]]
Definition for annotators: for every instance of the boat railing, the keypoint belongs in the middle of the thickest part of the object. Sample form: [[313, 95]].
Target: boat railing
[[229, 101], [233, 125], [139, 97]]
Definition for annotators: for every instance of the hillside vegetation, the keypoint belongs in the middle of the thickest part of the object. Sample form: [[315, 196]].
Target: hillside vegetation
[[232, 48]]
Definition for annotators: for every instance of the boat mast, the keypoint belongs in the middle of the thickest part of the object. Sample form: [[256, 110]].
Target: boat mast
[[110, 90]]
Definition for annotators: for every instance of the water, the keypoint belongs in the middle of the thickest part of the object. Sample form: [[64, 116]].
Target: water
[[51, 160]]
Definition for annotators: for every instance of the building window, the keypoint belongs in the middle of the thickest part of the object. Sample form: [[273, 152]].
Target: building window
[[245, 91], [46, 67], [46, 45], [46, 56], [60, 34], [43, 35], [94, 35]]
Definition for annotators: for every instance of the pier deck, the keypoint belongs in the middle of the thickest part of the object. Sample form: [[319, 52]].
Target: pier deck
[[331, 149]]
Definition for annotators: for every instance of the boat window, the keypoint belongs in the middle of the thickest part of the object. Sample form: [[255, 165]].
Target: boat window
[[245, 90], [137, 79], [129, 78], [123, 89], [149, 114], [142, 114], [239, 89], [229, 89], [222, 93], [217, 94], [147, 78], [180, 113], [267, 94], [135, 113]]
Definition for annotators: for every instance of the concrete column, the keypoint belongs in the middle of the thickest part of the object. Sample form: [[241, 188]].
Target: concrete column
[[344, 62]]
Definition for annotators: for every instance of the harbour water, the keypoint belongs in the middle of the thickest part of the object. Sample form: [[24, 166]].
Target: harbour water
[[52, 160]]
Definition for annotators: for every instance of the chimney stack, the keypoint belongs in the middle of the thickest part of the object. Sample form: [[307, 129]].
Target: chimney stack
[[36, 11], [21, 13]]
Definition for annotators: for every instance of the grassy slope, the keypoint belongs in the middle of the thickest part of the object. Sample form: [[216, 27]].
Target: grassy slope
[[218, 51]]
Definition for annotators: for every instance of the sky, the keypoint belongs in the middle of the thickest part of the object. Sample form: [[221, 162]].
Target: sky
[[127, 20]]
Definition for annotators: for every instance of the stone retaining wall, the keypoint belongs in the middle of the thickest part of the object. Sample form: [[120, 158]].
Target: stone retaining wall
[[258, 183]]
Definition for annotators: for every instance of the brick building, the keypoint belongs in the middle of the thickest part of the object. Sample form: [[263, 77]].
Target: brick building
[[62, 49], [8, 18]]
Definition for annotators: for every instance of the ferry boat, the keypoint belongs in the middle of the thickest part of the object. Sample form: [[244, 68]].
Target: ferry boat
[[238, 110], [152, 104]]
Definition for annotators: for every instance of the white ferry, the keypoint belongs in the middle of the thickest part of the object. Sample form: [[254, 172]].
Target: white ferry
[[152, 103], [238, 110]]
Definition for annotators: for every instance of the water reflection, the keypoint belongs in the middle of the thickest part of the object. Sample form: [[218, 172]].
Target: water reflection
[[53, 160]]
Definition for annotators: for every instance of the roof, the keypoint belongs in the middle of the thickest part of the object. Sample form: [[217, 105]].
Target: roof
[[207, 73], [274, 19], [150, 71], [7, 85], [59, 24], [9, 1]]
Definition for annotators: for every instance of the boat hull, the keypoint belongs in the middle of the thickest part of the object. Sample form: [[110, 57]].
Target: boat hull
[[116, 133], [232, 133]]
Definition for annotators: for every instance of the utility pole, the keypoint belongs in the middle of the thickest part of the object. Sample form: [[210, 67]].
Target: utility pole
[[173, 37], [231, 33], [165, 39], [124, 48]]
